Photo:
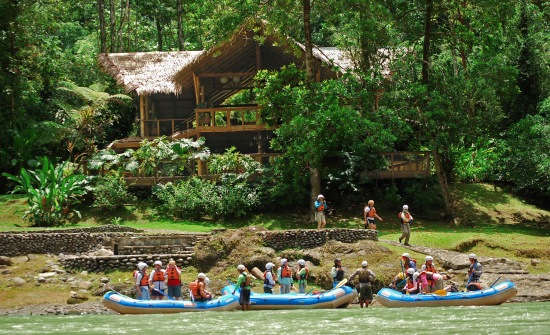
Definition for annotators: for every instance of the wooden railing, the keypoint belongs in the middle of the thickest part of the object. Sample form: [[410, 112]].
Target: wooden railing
[[404, 164], [228, 119], [167, 127]]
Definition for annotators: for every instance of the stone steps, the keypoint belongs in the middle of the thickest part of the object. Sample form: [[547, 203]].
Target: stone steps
[[122, 262]]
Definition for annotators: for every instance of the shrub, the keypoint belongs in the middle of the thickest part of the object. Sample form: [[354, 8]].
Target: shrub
[[51, 191], [232, 162], [111, 192]]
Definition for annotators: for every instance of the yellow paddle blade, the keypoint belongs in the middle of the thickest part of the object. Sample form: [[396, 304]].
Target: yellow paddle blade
[[440, 292], [342, 283]]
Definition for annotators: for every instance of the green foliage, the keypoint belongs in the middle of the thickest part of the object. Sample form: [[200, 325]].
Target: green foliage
[[111, 192], [52, 191], [232, 162], [476, 163]]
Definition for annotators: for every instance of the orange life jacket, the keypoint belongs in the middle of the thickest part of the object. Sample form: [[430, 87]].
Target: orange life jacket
[[144, 279], [371, 213], [430, 268], [410, 283], [173, 276], [321, 208], [407, 215], [195, 289], [285, 272], [158, 276]]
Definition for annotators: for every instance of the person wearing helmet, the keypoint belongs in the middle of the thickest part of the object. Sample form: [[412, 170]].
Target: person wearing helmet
[[243, 283], [370, 215], [142, 282], [269, 281], [366, 279], [284, 273], [407, 261], [302, 274], [320, 208], [173, 275], [411, 287], [157, 279], [474, 274], [429, 278], [337, 272], [198, 289], [406, 220]]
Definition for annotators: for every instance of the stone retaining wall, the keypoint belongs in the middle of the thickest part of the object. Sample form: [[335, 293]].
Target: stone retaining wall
[[108, 228], [311, 238], [123, 262]]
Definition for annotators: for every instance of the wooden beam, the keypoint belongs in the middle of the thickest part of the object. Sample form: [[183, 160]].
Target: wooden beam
[[196, 84], [142, 115], [236, 108], [224, 74]]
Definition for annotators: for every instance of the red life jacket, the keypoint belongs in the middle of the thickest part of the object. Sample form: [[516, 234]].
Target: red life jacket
[[285, 272], [321, 208], [173, 276], [158, 276], [430, 268], [408, 215], [144, 279]]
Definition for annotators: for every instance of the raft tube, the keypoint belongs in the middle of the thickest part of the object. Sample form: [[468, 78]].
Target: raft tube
[[126, 305], [494, 295], [335, 298]]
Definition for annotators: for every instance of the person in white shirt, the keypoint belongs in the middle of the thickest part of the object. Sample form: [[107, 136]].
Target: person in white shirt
[[157, 280]]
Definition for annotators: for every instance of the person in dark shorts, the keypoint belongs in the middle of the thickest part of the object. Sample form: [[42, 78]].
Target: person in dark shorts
[[243, 282], [366, 279], [173, 274]]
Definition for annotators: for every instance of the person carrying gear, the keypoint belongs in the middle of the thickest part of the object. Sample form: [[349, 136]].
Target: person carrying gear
[[406, 220], [337, 272], [474, 274], [408, 262], [370, 215], [243, 283], [269, 281], [173, 275], [157, 279], [320, 208], [366, 279], [302, 274], [284, 273], [198, 289], [412, 286], [142, 282]]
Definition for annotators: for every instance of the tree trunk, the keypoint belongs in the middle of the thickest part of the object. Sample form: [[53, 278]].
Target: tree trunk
[[447, 197], [181, 42], [159, 32], [112, 17], [102, 36], [124, 18], [427, 38]]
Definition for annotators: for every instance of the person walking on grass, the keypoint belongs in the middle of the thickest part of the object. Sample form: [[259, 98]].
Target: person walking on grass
[[406, 219], [320, 208], [243, 283], [370, 215]]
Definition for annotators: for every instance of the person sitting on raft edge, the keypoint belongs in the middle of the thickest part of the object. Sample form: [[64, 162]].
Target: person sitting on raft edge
[[474, 274], [243, 282], [269, 281], [337, 272], [412, 286], [366, 279], [198, 289]]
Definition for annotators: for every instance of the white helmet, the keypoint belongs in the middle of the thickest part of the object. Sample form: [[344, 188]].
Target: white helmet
[[157, 263], [201, 276], [206, 280], [141, 266], [241, 267], [406, 255], [269, 266], [320, 196], [301, 262], [405, 207], [415, 275], [365, 264], [284, 261], [472, 256], [410, 271], [429, 258]]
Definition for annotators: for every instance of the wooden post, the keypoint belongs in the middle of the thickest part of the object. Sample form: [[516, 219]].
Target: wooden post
[[142, 115], [258, 57], [242, 117], [201, 93], [158, 127], [201, 168], [196, 83], [212, 119], [228, 119], [173, 126]]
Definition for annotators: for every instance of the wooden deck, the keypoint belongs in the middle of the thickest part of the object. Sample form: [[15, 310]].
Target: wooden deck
[[404, 164]]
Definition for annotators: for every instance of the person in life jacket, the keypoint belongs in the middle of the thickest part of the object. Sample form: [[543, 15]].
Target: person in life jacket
[[284, 273], [366, 279], [302, 275], [412, 286], [429, 278], [406, 220], [474, 274], [243, 283], [408, 262], [198, 289], [320, 208], [142, 281], [370, 215], [337, 272], [173, 275], [269, 280], [157, 280]]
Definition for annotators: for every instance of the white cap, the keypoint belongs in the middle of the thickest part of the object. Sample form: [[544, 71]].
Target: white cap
[[472, 256], [301, 262], [157, 263], [320, 196], [405, 207], [269, 266], [365, 264], [410, 271], [406, 255], [283, 261], [415, 275], [241, 267], [141, 265], [429, 258], [201, 276]]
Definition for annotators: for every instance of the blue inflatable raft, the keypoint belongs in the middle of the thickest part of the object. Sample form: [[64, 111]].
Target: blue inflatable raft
[[126, 305], [335, 298], [495, 295]]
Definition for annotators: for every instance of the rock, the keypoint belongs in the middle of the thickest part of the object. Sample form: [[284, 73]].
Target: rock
[[73, 301], [5, 271], [20, 259], [104, 280], [47, 275], [85, 284], [535, 261], [4, 260], [84, 273], [18, 281], [101, 252]]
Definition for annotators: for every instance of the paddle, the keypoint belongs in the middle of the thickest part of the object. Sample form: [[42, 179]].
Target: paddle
[[496, 281], [440, 292], [341, 283]]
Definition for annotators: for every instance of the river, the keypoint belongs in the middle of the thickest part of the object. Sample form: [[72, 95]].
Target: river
[[526, 318]]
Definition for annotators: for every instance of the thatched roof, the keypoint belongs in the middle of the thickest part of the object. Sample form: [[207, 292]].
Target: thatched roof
[[147, 72]]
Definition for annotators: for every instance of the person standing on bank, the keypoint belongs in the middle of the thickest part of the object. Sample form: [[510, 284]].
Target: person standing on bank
[[370, 215], [302, 274], [269, 281], [337, 272], [157, 280], [243, 282], [173, 275], [366, 279], [406, 219], [284, 273], [142, 282], [320, 208]]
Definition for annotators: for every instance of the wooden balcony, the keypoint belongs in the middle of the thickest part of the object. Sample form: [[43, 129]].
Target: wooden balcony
[[404, 164]]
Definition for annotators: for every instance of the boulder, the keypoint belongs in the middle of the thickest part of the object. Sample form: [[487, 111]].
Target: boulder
[[47, 275], [18, 281], [101, 252], [4, 260], [85, 285], [104, 280]]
